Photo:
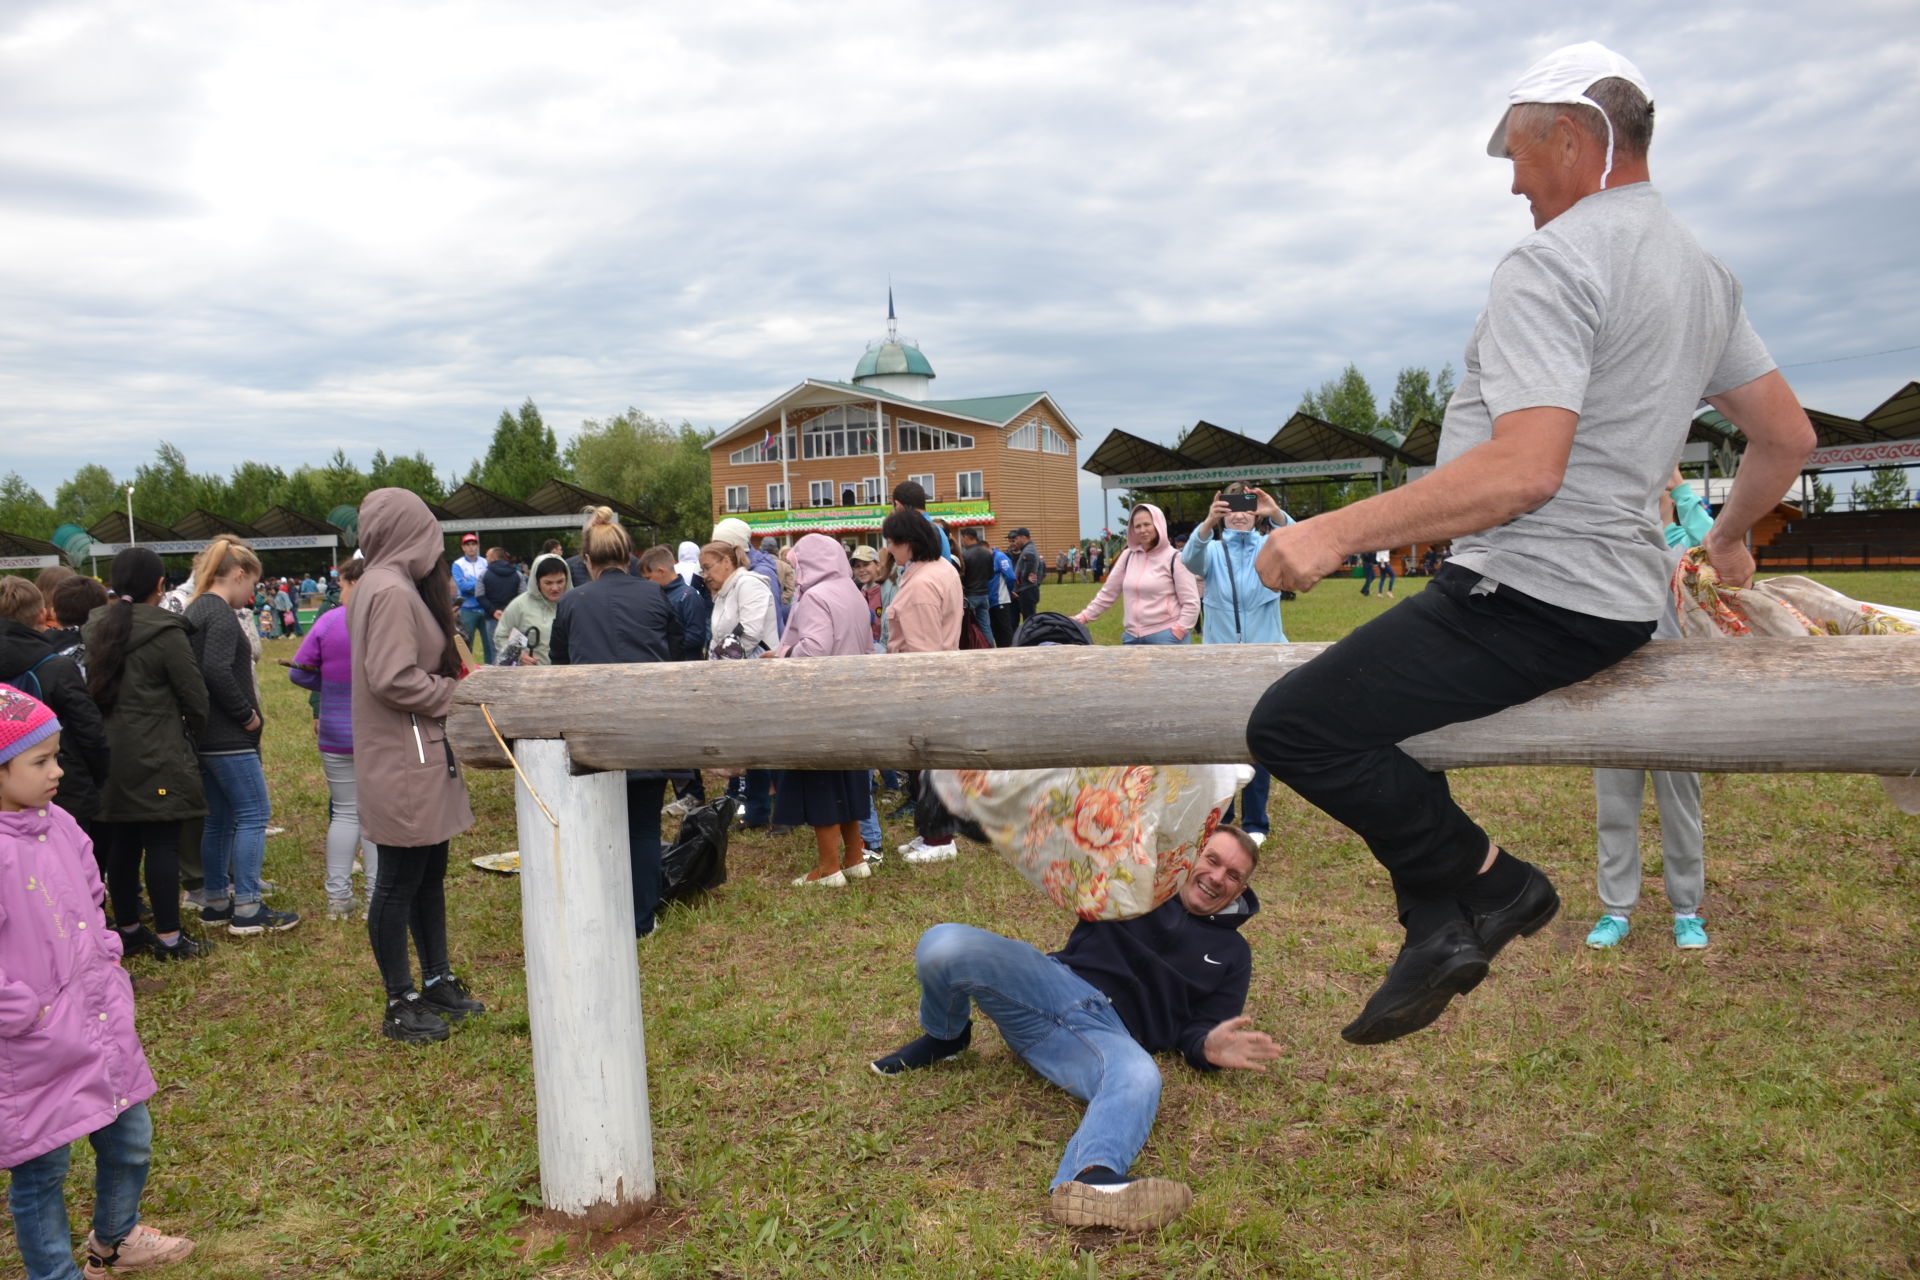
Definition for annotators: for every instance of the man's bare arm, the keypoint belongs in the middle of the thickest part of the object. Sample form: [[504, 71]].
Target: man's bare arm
[[1779, 438], [1511, 474]]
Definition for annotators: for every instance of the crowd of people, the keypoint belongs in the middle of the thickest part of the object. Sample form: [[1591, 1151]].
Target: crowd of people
[[122, 721]]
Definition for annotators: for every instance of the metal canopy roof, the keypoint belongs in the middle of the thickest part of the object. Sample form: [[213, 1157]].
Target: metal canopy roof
[[561, 498], [1898, 418], [201, 523], [1213, 446], [471, 502], [113, 528], [278, 522], [1311, 439], [1422, 445], [1123, 453], [18, 544]]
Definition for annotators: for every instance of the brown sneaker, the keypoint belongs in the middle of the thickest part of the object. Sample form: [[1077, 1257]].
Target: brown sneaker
[[1139, 1205], [143, 1248]]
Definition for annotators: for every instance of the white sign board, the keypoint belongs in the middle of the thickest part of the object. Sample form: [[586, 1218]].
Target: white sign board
[[28, 562], [194, 546], [1880, 453]]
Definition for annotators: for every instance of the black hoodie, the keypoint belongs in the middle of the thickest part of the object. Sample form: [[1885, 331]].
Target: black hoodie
[[57, 682], [1172, 976]]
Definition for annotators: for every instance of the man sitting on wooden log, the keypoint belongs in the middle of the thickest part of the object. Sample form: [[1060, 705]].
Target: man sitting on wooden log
[[1091, 1016], [1603, 331]]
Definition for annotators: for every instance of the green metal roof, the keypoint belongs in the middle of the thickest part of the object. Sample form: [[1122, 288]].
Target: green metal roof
[[1000, 409], [893, 357]]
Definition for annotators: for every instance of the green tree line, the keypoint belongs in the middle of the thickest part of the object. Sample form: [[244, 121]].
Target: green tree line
[[640, 460]]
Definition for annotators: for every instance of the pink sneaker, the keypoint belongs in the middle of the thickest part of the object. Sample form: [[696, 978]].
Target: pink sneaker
[[142, 1249]]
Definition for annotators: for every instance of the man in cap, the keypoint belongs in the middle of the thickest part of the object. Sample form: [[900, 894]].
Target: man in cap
[[1029, 571], [468, 571], [1603, 331]]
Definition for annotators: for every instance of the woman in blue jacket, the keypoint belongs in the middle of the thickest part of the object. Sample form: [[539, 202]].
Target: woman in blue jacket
[[1238, 607]]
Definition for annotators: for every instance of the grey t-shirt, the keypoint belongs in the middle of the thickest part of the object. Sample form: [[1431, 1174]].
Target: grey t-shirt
[[1613, 311]]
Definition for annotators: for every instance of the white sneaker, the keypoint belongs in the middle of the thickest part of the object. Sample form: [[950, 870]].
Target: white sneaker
[[932, 852], [912, 845], [1258, 837], [873, 855]]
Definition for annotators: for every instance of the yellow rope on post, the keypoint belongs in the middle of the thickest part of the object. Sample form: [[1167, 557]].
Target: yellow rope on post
[[505, 751]]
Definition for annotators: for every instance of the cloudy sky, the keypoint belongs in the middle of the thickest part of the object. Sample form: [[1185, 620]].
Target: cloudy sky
[[263, 231]]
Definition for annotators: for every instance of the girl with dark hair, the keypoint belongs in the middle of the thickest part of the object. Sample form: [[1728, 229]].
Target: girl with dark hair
[[411, 796], [233, 844], [141, 673]]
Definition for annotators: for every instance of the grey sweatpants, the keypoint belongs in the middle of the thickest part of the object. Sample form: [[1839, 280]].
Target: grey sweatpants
[[343, 829], [1618, 795]]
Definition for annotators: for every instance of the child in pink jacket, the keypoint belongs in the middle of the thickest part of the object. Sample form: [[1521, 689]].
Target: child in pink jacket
[[1162, 597], [71, 1065]]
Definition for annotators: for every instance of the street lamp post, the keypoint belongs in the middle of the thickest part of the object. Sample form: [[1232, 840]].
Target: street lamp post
[[133, 538]]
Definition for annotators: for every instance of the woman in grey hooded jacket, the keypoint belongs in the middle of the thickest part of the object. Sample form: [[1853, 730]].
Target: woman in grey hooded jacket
[[532, 611], [413, 800]]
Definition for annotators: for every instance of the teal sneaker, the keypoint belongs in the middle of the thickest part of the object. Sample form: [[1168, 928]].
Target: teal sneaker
[[1689, 933], [1608, 933]]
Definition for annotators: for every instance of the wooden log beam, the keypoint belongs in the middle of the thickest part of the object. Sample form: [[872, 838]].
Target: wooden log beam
[[1820, 705]]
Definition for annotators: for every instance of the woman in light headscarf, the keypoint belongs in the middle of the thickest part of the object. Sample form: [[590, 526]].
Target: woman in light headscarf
[[687, 563], [829, 620]]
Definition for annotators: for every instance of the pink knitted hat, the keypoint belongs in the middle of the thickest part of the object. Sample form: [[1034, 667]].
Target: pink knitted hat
[[24, 721]]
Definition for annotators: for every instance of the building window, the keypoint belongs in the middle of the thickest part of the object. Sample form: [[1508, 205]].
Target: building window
[[911, 437], [970, 485], [820, 493], [766, 449], [776, 497], [925, 482], [1025, 436], [848, 431], [1053, 442], [870, 491], [737, 498]]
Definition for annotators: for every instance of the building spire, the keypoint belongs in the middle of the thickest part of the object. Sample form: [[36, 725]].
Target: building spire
[[893, 325]]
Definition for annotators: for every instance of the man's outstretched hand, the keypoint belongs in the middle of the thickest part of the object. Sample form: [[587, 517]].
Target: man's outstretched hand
[[1295, 556], [1238, 1047]]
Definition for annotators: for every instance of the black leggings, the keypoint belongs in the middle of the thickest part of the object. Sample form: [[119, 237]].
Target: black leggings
[[123, 844], [409, 895]]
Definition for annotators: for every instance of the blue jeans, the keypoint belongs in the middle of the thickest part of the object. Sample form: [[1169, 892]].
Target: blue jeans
[[1152, 637], [755, 793], [41, 1227], [1058, 1023], [870, 825], [1253, 802], [472, 620], [643, 848], [977, 606], [233, 843]]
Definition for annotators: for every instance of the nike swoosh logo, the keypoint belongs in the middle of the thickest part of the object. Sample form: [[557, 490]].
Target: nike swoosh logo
[[1209, 959]]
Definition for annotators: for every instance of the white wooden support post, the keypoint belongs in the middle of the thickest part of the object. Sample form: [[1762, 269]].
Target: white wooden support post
[[583, 989]]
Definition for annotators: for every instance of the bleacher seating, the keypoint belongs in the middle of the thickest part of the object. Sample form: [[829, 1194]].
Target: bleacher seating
[[1845, 539]]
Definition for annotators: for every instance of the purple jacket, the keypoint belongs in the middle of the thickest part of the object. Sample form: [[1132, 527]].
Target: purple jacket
[[328, 648], [830, 616], [70, 1061]]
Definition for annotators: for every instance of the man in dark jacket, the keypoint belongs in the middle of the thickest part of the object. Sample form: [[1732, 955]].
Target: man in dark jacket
[[31, 662], [1029, 570], [976, 578], [694, 610], [499, 583], [1091, 1016]]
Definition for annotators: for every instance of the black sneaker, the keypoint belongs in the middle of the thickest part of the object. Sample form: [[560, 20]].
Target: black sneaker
[[138, 941], [182, 948], [1529, 912], [450, 1000], [265, 920], [1424, 979], [923, 1052], [216, 915], [410, 1021]]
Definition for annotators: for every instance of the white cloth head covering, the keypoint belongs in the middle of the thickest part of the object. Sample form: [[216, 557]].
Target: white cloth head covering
[[733, 530], [1564, 76]]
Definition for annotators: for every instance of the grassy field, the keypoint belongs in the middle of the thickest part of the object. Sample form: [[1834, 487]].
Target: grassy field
[[1750, 1110]]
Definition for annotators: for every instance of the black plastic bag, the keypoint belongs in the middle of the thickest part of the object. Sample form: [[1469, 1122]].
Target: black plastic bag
[[697, 861]]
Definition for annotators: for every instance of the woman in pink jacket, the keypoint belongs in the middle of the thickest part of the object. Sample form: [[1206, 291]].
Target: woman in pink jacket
[[1163, 599], [71, 1065], [829, 620]]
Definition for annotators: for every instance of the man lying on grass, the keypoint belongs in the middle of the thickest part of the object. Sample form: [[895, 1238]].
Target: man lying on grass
[[1091, 1016]]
